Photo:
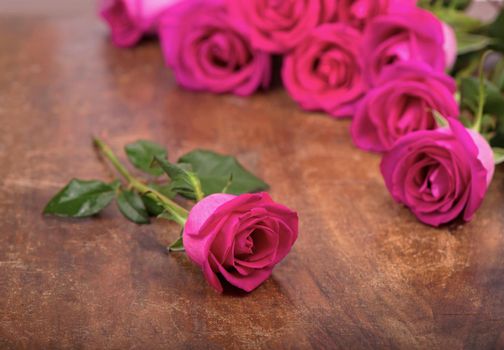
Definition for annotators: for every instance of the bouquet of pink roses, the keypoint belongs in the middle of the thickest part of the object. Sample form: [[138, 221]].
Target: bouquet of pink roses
[[405, 72], [383, 63]]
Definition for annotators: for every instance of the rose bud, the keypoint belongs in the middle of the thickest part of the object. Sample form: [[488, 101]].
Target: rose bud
[[239, 238], [440, 174], [324, 72], [130, 20], [359, 12], [415, 35], [207, 52], [404, 100], [278, 26]]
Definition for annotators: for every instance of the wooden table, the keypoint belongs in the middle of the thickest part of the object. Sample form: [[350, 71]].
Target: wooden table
[[363, 274]]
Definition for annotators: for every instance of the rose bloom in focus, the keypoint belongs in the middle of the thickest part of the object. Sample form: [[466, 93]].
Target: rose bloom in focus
[[440, 174], [239, 238]]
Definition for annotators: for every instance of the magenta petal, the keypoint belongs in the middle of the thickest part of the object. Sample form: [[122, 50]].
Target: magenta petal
[[211, 277], [247, 283], [196, 240], [482, 173]]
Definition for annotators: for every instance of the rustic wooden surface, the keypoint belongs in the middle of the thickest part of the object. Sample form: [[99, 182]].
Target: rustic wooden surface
[[364, 273]]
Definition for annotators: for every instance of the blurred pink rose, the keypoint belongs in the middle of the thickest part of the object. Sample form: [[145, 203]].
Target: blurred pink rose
[[207, 52], [240, 238], [359, 12], [415, 35], [278, 26], [129, 20], [439, 174], [324, 72], [402, 102]]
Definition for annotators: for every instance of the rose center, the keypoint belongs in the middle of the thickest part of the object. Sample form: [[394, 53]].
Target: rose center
[[411, 115], [433, 182], [226, 51], [244, 247], [399, 50], [333, 68], [259, 244]]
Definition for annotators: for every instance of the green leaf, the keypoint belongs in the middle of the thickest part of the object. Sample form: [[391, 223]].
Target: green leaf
[[469, 93], [460, 4], [80, 198], [488, 123], [494, 104], [498, 155], [498, 138], [214, 171], [153, 207], [184, 181], [167, 216], [453, 4], [467, 43], [132, 207], [458, 20], [496, 28], [495, 31], [141, 154], [177, 246], [165, 189], [498, 75]]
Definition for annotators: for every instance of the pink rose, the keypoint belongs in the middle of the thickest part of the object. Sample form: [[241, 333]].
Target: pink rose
[[415, 35], [239, 238], [278, 26], [207, 52], [324, 72], [359, 12], [439, 174], [129, 20], [402, 102]]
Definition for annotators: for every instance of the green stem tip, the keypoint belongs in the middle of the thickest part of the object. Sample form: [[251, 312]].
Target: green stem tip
[[482, 92]]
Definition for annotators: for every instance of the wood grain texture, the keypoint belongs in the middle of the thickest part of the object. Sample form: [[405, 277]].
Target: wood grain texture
[[364, 273]]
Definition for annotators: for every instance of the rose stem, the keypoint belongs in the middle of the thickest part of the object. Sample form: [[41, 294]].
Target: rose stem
[[178, 213], [482, 93]]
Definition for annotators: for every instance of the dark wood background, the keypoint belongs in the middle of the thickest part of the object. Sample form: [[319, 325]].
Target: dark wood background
[[364, 273]]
